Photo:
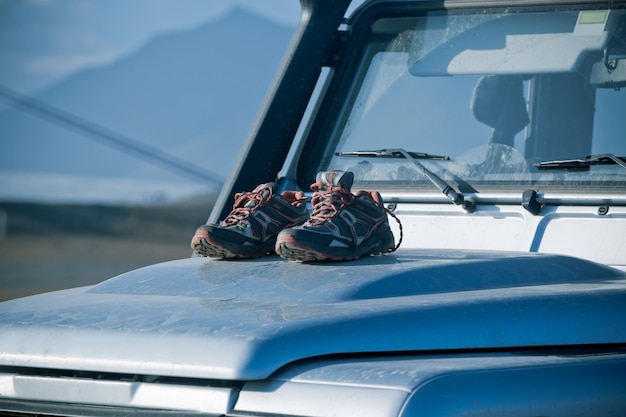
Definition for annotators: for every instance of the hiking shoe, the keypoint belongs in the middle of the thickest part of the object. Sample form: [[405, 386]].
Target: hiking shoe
[[342, 227], [250, 230]]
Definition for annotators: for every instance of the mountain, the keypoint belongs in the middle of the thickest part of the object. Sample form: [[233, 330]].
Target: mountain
[[192, 94]]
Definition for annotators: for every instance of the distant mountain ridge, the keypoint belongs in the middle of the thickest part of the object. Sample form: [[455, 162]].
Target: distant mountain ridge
[[194, 94]]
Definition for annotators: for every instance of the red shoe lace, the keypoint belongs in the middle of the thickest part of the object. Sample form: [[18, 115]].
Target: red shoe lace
[[399, 226], [391, 213], [247, 202], [328, 203]]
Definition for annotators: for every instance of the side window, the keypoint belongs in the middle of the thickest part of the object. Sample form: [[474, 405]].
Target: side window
[[609, 128]]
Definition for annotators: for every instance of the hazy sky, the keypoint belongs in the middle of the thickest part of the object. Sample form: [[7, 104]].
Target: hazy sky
[[42, 41]]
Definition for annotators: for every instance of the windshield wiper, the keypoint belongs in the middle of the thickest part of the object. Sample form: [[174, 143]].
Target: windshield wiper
[[604, 159], [393, 153], [454, 196]]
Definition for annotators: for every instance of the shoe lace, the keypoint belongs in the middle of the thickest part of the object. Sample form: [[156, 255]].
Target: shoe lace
[[399, 227], [246, 203], [389, 212], [327, 203]]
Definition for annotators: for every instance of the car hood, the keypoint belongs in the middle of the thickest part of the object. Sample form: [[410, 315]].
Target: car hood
[[242, 320]]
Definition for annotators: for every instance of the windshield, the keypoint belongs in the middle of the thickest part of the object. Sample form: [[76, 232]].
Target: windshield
[[493, 96]]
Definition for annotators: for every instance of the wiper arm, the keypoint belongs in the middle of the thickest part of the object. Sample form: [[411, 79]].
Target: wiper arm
[[393, 153], [454, 196], [604, 159]]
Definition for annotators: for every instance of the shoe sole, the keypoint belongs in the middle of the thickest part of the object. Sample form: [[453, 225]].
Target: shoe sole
[[213, 249], [291, 249]]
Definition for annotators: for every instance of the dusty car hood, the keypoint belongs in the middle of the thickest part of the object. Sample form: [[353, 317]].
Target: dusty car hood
[[242, 320]]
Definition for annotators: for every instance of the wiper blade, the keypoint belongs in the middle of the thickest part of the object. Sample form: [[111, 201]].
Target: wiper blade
[[604, 159], [454, 196], [393, 153]]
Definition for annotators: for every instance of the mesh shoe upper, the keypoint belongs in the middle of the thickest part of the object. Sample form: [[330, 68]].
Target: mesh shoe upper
[[250, 229], [343, 225]]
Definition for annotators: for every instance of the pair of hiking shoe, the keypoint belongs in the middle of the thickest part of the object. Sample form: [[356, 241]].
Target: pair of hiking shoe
[[342, 226]]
